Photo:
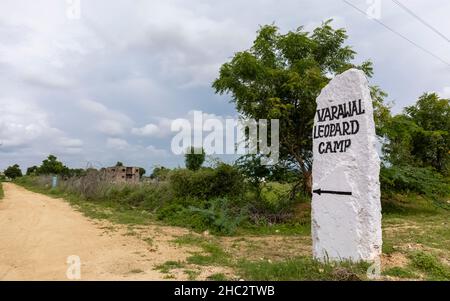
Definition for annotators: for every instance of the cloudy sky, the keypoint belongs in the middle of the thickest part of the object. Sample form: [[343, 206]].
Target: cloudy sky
[[104, 85]]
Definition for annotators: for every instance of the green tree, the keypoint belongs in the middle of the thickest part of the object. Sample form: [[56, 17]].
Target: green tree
[[51, 165], [280, 77], [13, 172], [119, 164], [381, 110], [421, 135], [32, 170], [194, 158], [255, 172], [142, 171], [399, 132], [160, 173]]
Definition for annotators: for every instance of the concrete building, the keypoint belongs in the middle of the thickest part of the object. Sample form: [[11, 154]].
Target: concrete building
[[122, 174]]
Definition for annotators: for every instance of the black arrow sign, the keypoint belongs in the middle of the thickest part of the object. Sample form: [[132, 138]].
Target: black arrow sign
[[320, 191]]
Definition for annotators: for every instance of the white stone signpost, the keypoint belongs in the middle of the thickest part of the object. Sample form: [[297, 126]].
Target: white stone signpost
[[346, 210]]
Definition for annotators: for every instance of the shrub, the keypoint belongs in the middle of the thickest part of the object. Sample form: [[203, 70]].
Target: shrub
[[227, 181], [430, 265], [160, 173], [185, 182], [194, 158], [177, 213], [425, 181], [274, 206], [207, 183], [222, 216]]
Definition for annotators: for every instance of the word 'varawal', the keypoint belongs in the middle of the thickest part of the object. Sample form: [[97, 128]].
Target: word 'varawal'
[[346, 210]]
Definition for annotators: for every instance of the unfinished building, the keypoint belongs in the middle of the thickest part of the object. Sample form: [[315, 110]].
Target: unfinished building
[[123, 174]]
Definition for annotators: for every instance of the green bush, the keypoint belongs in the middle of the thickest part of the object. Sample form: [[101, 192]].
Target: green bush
[[177, 213], [148, 196], [222, 215], [274, 205], [430, 265], [194, 158], [185, 182], [405, 179], [207, 183]]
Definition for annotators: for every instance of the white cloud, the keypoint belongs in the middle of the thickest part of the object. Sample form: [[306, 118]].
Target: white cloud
[[25, 125], [110, 127], [148, 130], [117, 143], [160, 129], [68, 142], [156, 152], [108, 121]]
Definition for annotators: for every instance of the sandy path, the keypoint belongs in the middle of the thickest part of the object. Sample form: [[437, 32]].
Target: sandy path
[[38, 233]]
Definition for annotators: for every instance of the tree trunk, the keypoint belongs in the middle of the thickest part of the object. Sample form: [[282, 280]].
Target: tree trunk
[[307, 183]]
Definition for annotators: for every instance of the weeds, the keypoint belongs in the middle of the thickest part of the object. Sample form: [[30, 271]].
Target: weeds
[[430, 265], [2, 194], [211, 254], [301, 268], [217, 277], [168, 266], [192, 275], [401, 272]]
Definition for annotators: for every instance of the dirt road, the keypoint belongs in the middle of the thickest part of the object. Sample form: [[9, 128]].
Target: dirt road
[[39, 233]]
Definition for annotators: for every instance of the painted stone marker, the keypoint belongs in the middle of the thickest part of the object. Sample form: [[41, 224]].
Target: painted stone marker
[[346, 209]]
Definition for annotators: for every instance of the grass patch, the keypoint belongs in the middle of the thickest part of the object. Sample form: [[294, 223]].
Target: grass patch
[[215, 256], [169, 266], [430, 265], [302, 229], [2, 194], [429, 231], [401, 205], [400, 272], [217, 277], [192, 275], [301, 268], [189, 239], [388, 248], [212, 253]]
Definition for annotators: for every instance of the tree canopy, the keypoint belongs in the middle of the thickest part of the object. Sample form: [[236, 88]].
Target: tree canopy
[[13, 172], [421, 135], [142, 171], [194, 158], [280, 77]]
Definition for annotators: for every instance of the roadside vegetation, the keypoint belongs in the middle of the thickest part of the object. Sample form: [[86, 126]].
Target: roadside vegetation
[[262, 240], [240, 213]]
